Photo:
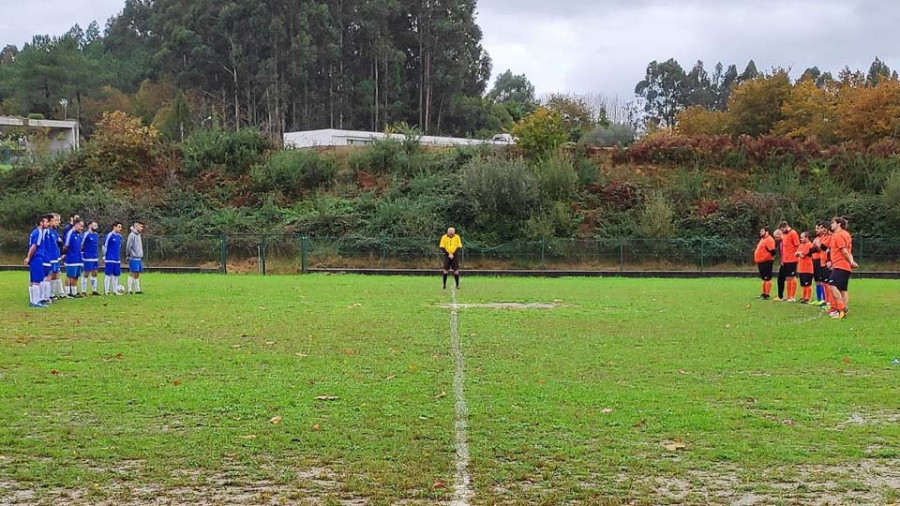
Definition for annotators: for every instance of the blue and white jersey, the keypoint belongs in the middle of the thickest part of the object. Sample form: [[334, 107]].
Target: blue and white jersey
[[54, 245], [47, 247], [73, 249], [37, 240], [90, 247], [112, 248], [65, 232]]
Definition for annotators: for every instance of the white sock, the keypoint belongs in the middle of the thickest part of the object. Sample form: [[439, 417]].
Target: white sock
[[137, 285], [130, 283], [115, 283], [46, 291], [106, 280], [32, 295], [59, 286], [83, 284], [93, 283]]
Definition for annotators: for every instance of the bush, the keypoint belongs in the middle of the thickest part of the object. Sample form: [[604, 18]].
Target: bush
[[294, 171], [656, 218], [503, 193], [611, 135], [557, 179], [231, 153], [892, 189]]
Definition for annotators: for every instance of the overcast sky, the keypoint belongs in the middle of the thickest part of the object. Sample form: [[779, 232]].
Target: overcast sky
[[603, 46]]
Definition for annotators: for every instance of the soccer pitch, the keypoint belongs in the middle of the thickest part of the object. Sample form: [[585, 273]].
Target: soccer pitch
[[338, 389]]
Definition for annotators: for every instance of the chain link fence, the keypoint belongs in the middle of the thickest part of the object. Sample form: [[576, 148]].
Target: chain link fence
[[285, 253]]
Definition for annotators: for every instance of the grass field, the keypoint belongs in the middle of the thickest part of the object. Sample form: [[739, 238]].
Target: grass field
[[617, 391]]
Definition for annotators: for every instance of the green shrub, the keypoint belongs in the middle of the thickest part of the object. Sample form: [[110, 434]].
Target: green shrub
[[656, 218], [502, 193], [294, 171], [557, 179], [892, 189], [232, 153]]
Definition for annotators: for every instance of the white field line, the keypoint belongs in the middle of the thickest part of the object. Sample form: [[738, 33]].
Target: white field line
[[462, 482]]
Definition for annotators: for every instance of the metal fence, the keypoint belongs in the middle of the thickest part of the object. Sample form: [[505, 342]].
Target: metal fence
[[281, 254]]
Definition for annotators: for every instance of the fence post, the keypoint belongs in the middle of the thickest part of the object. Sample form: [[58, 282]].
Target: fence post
[[383, 251], [621, 254], [858, 253], [702, 242], [542, 252], [304, 268], [223, 254]]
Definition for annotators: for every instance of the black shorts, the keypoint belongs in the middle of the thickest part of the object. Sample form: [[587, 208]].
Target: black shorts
[[819, 274], [826, 275], [840, 279], [806, 279], [765, 270], [451, 264], [788, 270]]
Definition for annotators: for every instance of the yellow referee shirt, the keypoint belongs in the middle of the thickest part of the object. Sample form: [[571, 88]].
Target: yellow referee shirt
[[451, 244]]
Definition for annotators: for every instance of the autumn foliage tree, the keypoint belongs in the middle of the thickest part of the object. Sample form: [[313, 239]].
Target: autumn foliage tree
[[810, 111], [541, 133], [870, 113], [755, 106], [123, 147], [698, 120]]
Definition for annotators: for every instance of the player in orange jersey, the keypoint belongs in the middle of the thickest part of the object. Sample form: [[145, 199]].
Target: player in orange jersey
[[842, 264], [790, 241], [805, 266], [764, 256]]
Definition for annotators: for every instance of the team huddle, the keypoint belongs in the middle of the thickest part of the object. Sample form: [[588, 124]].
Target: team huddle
[[78, 249], [826, 259]]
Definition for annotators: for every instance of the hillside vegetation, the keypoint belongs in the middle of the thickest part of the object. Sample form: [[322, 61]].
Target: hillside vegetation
[[663, 186]]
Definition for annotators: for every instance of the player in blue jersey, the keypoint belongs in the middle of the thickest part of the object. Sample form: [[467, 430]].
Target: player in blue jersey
[[48, 248], [72, 219], [112, 256], [35, 262], [56, 253], [74, 262], [90, 252]]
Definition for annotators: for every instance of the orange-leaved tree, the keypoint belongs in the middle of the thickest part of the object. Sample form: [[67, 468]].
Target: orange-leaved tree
[[698, 120], [870, 113], [123, 147], [810, 111]]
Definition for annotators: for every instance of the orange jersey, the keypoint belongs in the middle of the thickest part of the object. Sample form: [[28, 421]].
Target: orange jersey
[[805, 265], [825, 242], [840, 241], [764, 250], [789, 244]]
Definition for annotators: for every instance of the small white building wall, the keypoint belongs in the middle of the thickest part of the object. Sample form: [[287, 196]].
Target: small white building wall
[[331, 138]]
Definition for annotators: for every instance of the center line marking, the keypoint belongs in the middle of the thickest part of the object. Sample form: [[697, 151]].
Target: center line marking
[[462, 482]]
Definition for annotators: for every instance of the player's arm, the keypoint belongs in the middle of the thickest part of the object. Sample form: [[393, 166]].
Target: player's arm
[[849, 257], [30, 254]]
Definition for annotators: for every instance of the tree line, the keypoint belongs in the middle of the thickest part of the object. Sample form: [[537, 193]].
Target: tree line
[[853, 106], [274, 65]]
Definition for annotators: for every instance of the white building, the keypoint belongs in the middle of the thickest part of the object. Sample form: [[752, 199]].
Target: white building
[[332, 137], [62, 136]]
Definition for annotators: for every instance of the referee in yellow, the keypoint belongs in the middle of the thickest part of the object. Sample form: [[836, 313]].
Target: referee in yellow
[[450, 246]]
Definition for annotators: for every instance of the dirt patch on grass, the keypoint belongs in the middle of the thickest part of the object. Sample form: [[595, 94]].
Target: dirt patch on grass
[[861, 419], [873, 481], [313, 486]]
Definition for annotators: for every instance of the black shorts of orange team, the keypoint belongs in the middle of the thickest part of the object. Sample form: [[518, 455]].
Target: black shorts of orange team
[[821, 273], [451, 264], [765, 270], [840, 279], [806, 279]]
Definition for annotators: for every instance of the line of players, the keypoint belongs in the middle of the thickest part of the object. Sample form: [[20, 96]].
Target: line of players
[[826, 259], [78, 250]]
